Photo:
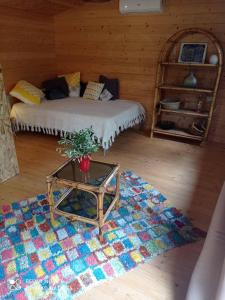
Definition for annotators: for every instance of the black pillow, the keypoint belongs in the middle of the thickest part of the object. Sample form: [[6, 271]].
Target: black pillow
[[83, 86], [54, 94], [56, 88], [112, 85]]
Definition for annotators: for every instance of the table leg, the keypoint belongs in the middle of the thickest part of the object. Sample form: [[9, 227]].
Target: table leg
[[50, 200], [100, 216], [117, 205]]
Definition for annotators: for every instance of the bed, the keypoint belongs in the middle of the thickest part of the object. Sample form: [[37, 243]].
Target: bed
[[107, 118]]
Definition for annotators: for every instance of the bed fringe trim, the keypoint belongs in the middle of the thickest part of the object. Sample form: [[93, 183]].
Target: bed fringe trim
[[20, 126]]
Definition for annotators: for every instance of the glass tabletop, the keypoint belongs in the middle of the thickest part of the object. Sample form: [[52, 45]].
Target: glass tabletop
[[98, 172]]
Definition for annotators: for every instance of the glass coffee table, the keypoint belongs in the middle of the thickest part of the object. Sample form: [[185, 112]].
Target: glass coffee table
[[87, 197]]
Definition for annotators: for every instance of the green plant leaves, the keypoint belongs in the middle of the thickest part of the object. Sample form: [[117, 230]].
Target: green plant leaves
[[78, 144]]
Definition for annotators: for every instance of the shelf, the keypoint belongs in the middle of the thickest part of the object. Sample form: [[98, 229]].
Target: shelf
[[186, 112], [189, 65], [169, 83], [184, 89], [178, 133]]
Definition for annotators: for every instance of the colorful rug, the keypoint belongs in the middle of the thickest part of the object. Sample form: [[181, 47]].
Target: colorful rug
[[42, 262]]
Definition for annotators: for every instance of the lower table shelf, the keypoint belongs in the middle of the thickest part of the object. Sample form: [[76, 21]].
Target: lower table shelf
[[83, 204], [178, 133]]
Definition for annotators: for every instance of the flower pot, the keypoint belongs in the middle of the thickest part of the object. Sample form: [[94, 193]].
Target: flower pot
[[84, 163]]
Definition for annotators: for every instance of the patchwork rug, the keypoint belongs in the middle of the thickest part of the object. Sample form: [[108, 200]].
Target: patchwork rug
[[39, 261]]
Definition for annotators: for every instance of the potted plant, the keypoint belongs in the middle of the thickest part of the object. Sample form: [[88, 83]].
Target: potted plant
[[79, 145]]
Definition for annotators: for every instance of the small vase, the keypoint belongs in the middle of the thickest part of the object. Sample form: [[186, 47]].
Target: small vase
[[190, 81], [84, 163]]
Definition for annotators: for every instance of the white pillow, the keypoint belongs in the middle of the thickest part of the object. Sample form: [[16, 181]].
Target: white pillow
[[74, 91], [105, 95]]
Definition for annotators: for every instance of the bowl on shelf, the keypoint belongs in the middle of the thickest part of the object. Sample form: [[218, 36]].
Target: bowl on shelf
[[170, 104], [166, 125]]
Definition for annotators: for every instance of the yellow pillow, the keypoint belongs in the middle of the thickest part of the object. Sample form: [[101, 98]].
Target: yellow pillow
[[93, 90], [72, 79], [27, 92]]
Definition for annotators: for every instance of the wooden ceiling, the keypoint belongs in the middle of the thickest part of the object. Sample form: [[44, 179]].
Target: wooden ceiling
[[44, 7]]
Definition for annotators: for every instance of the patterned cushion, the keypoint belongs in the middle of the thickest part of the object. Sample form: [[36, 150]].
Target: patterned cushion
[[105, 95], [93, 90], [27, 92], [72, 79]]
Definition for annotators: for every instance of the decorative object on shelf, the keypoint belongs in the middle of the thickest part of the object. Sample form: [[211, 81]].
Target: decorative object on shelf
[[200, 104], [192, 53], [190, 81], [198, 128], [213, 60], [207, 103], [79, 145], [170, 104], [209, 99]]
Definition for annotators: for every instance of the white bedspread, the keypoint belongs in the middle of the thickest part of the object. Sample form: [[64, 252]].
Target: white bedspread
[[72, 114]]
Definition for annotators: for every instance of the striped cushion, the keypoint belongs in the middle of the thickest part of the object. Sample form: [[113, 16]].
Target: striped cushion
[[27, 92], [93, 90]]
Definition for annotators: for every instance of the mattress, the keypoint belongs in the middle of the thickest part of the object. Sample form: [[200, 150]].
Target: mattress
[[107, 118]]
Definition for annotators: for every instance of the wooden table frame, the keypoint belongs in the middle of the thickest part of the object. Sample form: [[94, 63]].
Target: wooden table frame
[[97, 191]]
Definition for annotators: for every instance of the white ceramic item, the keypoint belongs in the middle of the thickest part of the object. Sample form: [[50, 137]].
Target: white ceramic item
[[213, 60], [170, 104], [190, 81]]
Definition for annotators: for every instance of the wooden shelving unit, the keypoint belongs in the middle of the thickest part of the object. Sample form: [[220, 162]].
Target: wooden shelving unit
[[165, 87]]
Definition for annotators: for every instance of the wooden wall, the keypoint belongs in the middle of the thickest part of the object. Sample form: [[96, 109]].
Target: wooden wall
[[26, 47], [95, 39]]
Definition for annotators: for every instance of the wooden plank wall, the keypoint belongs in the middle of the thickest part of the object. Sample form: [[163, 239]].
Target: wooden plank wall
[[26, 47], [95, 39]]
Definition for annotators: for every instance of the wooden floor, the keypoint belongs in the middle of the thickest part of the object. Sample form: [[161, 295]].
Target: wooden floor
[[190, 177]]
